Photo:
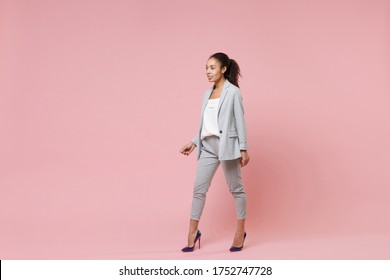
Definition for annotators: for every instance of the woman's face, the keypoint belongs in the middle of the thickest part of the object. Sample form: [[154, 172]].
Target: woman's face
[[213, 70]]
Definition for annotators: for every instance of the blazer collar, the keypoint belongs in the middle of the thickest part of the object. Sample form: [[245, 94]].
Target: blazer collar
[[224, 90], [226, 85]]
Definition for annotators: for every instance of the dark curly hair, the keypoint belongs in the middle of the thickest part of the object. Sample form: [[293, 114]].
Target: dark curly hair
[[232, 69]]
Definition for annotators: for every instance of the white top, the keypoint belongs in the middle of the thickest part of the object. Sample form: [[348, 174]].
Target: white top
[[210, 118]]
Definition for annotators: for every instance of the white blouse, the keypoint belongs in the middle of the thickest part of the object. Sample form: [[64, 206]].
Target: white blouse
[[210, 119]]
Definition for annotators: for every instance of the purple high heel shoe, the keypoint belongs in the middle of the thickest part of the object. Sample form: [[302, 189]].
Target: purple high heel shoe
[[236, 249], [190, 249]]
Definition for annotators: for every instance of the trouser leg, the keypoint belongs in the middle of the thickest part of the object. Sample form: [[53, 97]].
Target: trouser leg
[[232, 171], [207, 166]]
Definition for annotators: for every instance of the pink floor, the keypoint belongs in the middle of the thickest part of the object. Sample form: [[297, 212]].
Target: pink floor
[[214, 245]]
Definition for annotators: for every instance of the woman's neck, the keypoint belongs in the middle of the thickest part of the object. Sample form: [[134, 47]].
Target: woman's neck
[[218, 85]]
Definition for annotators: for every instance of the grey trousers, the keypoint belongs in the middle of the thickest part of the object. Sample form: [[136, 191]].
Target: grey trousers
[[208, 164]]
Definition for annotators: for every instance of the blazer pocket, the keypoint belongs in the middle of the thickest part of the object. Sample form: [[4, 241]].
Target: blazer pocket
[[232, 133]]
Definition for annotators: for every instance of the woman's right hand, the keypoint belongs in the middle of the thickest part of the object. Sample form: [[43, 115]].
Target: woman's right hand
[[187, 149]]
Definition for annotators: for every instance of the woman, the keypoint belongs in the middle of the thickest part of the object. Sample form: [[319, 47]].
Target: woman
[[221, 139]]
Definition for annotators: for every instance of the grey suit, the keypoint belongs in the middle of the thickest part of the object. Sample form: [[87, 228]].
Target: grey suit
[[231, 123], [224, 149]]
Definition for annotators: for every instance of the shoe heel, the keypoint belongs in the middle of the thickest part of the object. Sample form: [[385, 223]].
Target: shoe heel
[[197, 238], [235, 249]]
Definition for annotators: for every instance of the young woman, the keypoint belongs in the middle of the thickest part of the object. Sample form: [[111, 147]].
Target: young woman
[[221, 139]]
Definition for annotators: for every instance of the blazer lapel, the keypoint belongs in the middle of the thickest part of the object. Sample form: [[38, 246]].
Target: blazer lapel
[[207, 99], [223, 94], [222, 97]]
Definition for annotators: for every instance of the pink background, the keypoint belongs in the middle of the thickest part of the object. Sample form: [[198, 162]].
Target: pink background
[[97, 98]]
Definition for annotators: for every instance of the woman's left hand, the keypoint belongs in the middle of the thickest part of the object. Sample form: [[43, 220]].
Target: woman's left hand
[[244, 158]]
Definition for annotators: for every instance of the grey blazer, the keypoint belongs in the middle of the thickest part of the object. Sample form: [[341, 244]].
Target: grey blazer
[[231, 123]]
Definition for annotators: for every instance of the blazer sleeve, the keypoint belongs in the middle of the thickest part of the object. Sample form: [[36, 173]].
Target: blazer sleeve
[[238, 108], [195, 139]]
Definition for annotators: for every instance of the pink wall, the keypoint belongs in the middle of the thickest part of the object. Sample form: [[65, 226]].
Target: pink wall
[[97, 98]]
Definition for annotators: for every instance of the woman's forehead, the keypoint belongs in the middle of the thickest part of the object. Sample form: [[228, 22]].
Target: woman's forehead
[[212, 61]]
